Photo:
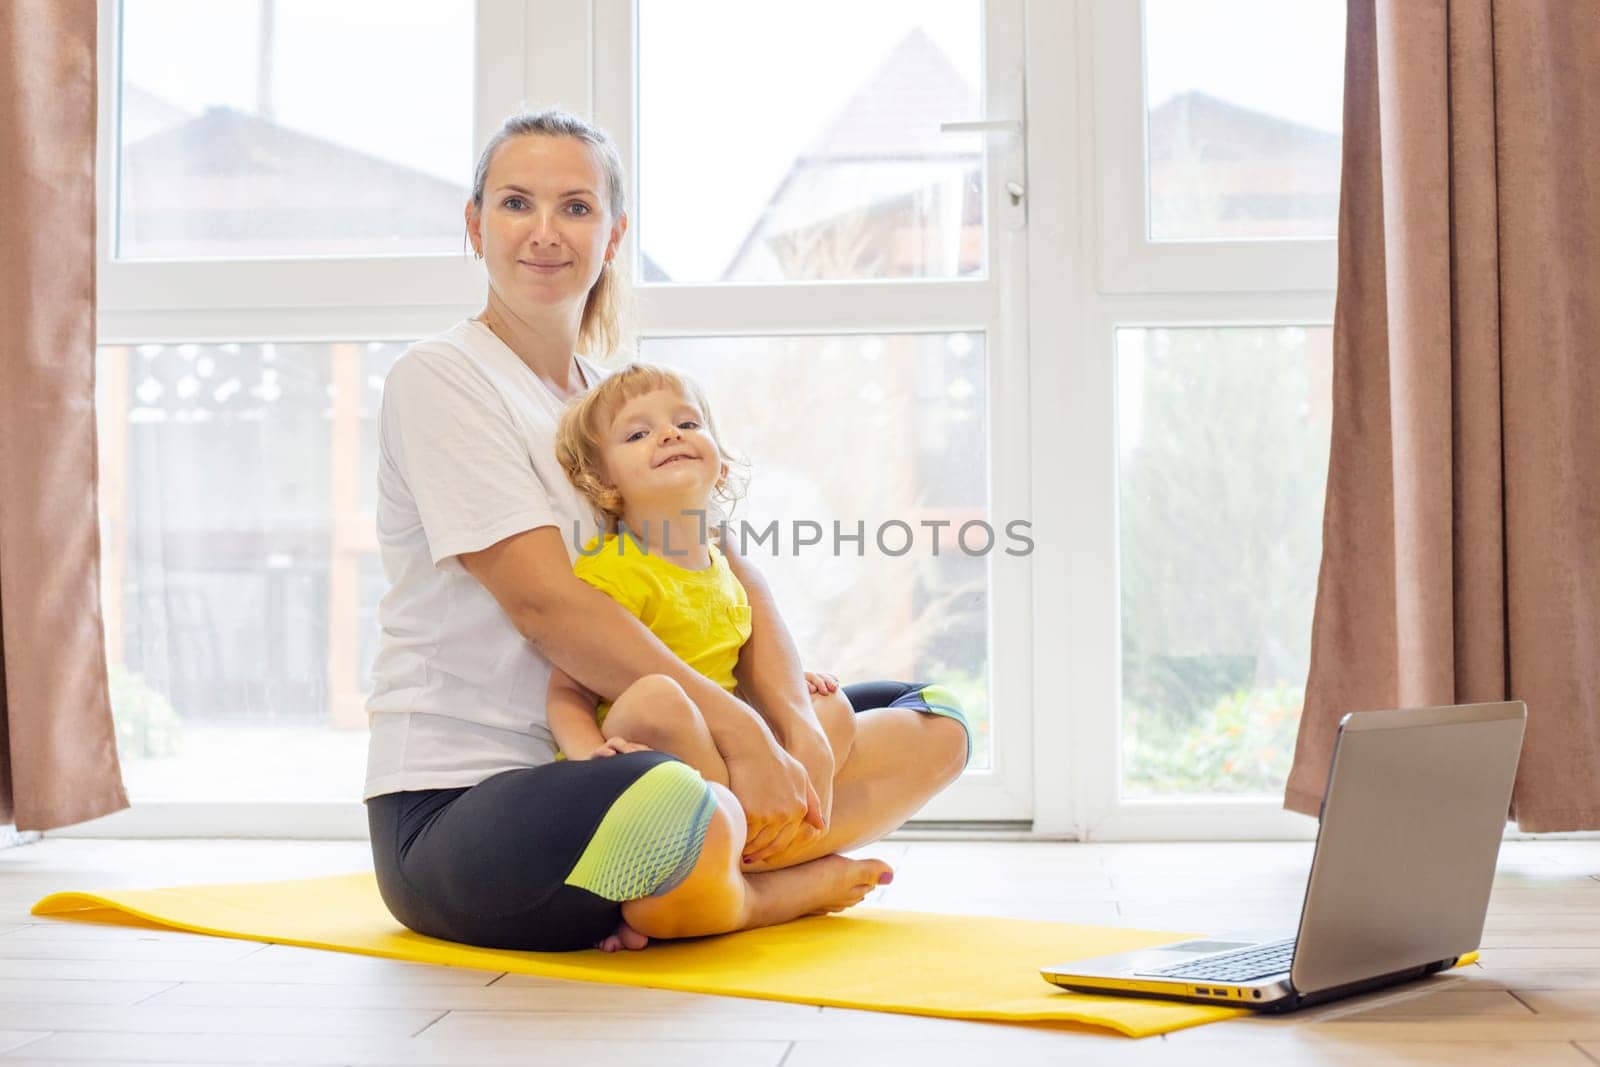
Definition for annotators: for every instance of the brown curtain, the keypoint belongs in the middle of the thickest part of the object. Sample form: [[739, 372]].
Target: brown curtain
[[58, 755], [1461, 538]]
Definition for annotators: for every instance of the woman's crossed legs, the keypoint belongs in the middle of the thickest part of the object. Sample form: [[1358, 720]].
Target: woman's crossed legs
[[910, 742], [551, 857]]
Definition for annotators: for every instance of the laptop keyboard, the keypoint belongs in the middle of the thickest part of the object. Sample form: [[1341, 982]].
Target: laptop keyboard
[[1243, 965]]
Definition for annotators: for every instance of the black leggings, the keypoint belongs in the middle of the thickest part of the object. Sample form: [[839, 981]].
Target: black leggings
[[541, 858]]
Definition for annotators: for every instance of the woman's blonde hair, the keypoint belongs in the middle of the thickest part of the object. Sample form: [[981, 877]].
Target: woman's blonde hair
[[607, 326], [587, 418]]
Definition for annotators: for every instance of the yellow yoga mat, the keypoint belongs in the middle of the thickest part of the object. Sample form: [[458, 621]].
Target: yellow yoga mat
[[879, 959]]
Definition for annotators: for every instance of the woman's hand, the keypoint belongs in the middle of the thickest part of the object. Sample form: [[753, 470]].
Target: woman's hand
[[777, 795], [811, 749], [821, 681], [616, 746]]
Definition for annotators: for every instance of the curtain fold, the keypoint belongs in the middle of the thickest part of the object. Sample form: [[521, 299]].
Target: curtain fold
[[58, 755], [1461, 535]]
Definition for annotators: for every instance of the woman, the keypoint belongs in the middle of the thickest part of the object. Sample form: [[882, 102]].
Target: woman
[[478, 833]]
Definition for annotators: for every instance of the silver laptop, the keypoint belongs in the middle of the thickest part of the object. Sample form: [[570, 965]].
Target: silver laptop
[[1405, 856]]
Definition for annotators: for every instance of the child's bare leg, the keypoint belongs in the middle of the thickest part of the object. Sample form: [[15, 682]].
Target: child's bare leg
[[655, 711], [719, 898]]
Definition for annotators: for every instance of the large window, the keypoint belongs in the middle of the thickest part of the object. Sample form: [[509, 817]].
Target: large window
[[279, 183], [1243, 113], [1223, 449], [285, 216], [240, 572], [1215, 278], [805, 410], [827, 254], [255, 129], [800, 175], [936, 263]]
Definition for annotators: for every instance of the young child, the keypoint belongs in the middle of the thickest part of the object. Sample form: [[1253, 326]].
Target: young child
[[642, 447]]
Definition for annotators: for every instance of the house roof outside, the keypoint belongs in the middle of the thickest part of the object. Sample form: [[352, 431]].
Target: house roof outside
[[226, 184], [880, 192], [883, 193]]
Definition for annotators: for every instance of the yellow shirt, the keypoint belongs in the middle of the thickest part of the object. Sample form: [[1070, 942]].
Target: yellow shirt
[[703, 616]]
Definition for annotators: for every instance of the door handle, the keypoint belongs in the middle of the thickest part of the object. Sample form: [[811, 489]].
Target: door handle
[[982, 126]]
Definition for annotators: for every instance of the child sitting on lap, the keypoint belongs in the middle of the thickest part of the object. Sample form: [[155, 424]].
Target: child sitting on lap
[[642, 447]]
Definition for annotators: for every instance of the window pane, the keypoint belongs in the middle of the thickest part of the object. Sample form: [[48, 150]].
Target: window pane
[[1245, 117], [241, 576], [277, 138], [239, 564], [1223, 438], [810, 148], [864, 431]]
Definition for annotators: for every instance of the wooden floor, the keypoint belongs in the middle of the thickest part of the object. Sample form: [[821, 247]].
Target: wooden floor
[[78, 993]]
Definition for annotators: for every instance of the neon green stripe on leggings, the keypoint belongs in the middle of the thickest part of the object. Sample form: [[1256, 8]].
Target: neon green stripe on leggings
[[651, 836], [941, 701]]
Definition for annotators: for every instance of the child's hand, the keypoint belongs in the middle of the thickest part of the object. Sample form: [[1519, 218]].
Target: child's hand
[[616, 746], [821, 682]]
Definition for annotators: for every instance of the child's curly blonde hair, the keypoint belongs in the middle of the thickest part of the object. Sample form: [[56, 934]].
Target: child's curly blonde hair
[[587, 417]]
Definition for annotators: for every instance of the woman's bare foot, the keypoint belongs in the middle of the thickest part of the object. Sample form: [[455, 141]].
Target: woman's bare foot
[[625, 936], [718, 897], [817, 887]]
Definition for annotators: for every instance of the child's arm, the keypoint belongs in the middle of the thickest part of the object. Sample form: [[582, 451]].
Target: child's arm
[[570, 707]]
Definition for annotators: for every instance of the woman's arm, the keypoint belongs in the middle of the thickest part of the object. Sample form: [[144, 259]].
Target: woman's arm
[[769, 664], [599, 643], [569, 707], [587, 634], [769, 675]]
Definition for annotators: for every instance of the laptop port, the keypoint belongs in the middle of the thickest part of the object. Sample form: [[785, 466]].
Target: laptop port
[[1201, 990], [1257, 994]]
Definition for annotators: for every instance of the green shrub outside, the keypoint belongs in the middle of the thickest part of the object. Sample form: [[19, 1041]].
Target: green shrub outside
[[147, 725], [1242, 744]]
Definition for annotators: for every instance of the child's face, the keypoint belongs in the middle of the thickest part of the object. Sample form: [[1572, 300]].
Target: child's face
[[658, 452]]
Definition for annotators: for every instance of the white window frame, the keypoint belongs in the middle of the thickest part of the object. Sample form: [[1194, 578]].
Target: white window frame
[[539, 52], [327, 298], [1087, 271], [526, 50], [1090, 243], [1128, 261], [1001, 798]]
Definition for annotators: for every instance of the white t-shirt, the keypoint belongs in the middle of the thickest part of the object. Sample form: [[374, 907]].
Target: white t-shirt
[[466, 458]]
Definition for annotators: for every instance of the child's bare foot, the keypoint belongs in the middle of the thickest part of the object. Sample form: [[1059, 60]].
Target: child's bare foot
[[625, 936]]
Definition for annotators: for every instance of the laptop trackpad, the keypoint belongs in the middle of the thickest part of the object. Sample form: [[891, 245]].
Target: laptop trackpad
[[1204, 947]]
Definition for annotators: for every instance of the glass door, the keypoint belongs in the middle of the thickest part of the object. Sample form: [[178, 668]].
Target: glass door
[[829, 233]]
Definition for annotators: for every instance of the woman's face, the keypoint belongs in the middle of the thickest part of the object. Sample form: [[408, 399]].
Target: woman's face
[[545, 231]]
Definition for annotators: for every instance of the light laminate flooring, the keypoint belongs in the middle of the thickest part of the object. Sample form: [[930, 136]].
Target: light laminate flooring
[[76, 993]]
